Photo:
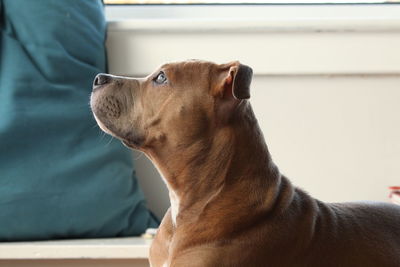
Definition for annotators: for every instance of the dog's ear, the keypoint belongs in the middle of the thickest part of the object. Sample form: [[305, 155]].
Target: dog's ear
[[234, 81], [232, 86], [242, 76]]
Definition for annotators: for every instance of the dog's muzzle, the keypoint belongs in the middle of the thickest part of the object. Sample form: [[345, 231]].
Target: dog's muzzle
[[110, 107], [106, 105]]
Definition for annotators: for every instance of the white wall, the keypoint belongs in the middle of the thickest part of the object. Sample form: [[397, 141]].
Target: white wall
[[336, 137], [326, 89]]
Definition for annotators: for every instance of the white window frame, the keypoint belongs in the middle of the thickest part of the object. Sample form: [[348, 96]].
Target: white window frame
[[273, 39]]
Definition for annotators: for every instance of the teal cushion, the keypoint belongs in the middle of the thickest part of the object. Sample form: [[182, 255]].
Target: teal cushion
[[60, 177]]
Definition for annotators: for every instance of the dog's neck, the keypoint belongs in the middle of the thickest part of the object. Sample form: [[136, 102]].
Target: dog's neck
[[210, 174]]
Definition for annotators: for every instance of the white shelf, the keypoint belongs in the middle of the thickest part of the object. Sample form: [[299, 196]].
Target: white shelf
[[108, 248]]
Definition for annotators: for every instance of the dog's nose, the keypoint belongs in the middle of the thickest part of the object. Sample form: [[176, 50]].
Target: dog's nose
[[101, 79]]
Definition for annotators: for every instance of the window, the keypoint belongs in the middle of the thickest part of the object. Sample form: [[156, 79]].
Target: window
[[249, 1]]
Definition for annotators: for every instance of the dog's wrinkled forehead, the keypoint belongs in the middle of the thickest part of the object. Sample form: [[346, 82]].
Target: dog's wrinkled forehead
[[187, 69], [188, 63]]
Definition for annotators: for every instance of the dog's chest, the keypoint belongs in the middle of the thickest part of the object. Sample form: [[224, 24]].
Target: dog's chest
[[174, 206]]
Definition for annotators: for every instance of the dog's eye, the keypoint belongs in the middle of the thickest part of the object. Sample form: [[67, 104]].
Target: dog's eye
[[161, 78]]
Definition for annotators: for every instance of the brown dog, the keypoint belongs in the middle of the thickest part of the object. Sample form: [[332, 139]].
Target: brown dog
[[230, 206]]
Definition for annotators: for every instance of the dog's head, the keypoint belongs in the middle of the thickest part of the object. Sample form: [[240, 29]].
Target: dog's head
[[177, 103]]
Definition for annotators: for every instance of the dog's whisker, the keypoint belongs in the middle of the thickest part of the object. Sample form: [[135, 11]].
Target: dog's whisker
[[101, 135], [139, 156], [109, 142]]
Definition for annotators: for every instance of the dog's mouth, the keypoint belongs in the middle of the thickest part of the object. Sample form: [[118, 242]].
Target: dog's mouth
[[105, 127], [129, 144], [124, 138], [128, 139], [111, 116], [106, 111]]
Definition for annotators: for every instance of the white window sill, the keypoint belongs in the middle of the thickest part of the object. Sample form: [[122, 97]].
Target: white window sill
[[254, 18], [109, 248]]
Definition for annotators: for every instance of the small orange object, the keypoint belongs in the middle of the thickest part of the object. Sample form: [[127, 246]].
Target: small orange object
[[394, 194]]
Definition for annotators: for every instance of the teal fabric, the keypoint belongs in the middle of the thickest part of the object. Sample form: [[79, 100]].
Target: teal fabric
[[60, 177]]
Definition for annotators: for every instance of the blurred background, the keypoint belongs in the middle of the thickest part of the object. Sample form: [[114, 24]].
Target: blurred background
[[326, 87]]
